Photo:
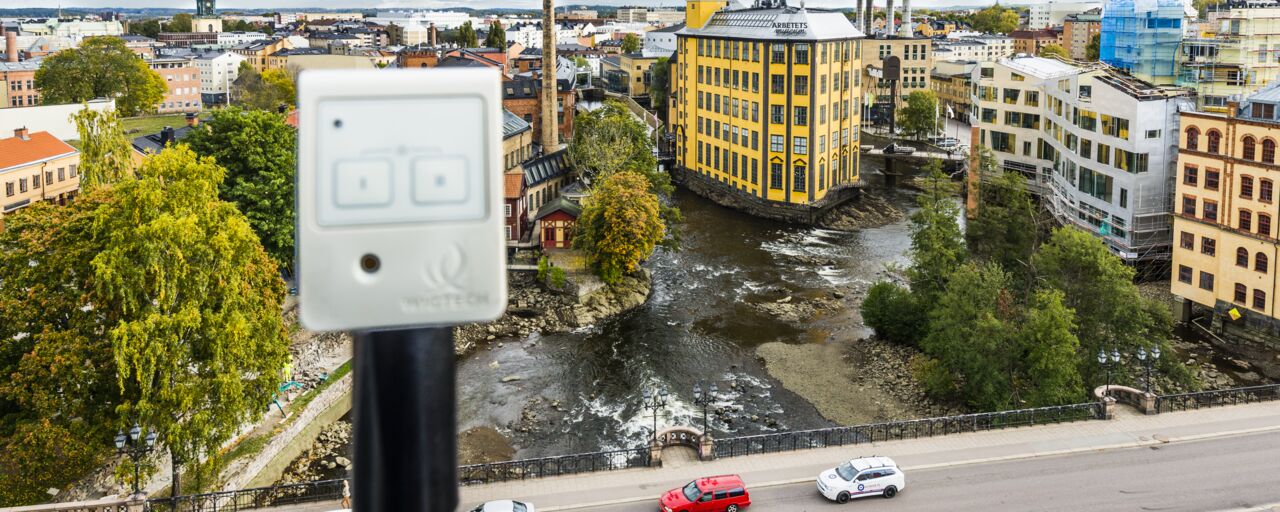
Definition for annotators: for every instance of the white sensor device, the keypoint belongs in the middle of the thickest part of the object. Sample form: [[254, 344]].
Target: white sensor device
[[399, 198]]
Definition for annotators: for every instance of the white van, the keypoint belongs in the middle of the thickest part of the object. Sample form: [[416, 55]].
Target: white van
[[860, 477]]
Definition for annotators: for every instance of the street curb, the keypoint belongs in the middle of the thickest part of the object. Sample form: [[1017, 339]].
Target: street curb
[[986, 460]]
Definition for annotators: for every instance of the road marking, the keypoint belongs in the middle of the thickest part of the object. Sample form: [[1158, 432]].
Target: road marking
[[987, 460]]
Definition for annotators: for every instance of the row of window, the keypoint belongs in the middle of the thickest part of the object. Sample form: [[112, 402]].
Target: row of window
[[1208, 247], [1191, 177], [1119, 158], [736, 165], [750, 51], [16, 85], [1240, 295], [23, 184], [1248, 145], [742, 80], [29, 100]]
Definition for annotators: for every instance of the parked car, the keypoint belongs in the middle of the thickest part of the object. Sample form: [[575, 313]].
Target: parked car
[[862, 477], [899, 149], [724, 493], [947, 143], [504, 506]]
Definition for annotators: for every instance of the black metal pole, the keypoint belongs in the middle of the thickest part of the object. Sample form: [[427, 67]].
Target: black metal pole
[[405, 454], [133, 454]]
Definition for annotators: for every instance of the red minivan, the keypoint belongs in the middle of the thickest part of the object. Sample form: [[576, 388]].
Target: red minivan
[[724, 493]]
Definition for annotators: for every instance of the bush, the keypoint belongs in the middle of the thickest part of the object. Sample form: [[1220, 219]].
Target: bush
[[937, 381], [557, 278], [543, 265], [894, 314]]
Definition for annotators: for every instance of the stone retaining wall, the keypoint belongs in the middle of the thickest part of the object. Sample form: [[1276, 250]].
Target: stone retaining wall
[[724, 195]]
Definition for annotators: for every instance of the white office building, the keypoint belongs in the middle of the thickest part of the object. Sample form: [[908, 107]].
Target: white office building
[[1052, 13], [217, 71], [1099, 147], [661, 42], [442, 19], [982, 48], [229, 39]]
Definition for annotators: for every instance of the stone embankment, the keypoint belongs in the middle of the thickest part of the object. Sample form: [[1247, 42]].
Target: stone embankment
[[872, 209], [329, 457], [534, 307]]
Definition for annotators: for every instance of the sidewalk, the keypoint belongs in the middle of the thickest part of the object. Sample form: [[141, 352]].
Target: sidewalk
[[1128, 430]]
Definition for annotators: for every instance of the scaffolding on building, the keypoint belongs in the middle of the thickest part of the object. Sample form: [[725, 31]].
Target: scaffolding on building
[[1141, 37]]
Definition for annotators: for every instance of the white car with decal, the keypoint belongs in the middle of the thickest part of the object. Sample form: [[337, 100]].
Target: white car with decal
[[861, 477]]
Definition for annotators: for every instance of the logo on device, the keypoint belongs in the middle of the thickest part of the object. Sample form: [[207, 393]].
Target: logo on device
[[444, 272]]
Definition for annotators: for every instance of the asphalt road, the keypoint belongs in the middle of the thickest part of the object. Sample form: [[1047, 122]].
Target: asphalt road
[[1220, 474]]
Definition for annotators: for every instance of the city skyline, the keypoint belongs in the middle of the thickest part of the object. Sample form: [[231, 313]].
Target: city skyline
[[432, 4]]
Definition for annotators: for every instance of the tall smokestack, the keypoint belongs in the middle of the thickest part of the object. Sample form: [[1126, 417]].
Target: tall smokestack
[[906, 19], [857, 15], [550, 123], [867, 17], [889, 27], [11, 46]]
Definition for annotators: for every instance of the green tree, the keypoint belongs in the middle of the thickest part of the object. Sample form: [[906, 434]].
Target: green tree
[[971, 333], [611, 139], [630, 43], [192, 302], [1051, 376], [1098, 286], [1005, 230], [920, 116], [106, 156], [620, 225], [995, 19], [658, 86], [257, 149], [894, 313], [1093, 51], [1053, 50], [467, 37], [937, 244], [262, 91], [497, 37], [149, 28], [180, 23], [1202, 6], [100, 67]]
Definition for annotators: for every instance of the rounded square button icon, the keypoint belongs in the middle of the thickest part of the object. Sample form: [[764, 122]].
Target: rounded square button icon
[[362, 183], [439, 179]]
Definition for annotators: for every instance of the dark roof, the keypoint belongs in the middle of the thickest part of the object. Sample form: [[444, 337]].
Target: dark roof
[[301, 51], [673, 28], [546, 167], [559, 204], [154, 143], [512, 124], [529, 87], [454, 61]]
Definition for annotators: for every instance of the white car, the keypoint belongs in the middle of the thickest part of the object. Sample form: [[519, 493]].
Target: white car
[[504, 506], [861, 477]]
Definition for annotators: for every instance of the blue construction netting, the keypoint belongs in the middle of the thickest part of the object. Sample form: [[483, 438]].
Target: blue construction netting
[[1142, 37]]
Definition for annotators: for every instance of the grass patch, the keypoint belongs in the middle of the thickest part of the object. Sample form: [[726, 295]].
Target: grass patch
[[247, 446], [139, 126]]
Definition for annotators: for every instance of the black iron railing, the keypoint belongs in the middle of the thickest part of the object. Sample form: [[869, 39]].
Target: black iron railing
[[909, 429], [245, 499], [1198, 399], [553, 466]]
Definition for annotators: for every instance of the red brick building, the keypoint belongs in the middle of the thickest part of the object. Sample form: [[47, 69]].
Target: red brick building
[[522, 97]]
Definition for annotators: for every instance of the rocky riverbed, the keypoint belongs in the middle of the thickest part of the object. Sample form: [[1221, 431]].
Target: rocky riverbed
[[329, 457], [872, 209], [533, 307]]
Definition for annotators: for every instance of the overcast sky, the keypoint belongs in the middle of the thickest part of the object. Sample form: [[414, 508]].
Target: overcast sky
[[429, 4]]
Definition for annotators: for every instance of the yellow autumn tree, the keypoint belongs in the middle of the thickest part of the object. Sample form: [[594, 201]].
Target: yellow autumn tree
[[620, 225]]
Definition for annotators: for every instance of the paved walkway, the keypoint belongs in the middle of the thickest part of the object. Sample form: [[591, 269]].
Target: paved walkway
[[596, 490]]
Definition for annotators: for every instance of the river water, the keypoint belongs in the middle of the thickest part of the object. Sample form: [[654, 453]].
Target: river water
[[696, 325]]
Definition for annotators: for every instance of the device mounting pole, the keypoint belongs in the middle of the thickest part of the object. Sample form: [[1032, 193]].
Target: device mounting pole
[[405, 453]]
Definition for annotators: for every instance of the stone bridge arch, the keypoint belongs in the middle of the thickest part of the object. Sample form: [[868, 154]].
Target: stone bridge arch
[[677, 437]]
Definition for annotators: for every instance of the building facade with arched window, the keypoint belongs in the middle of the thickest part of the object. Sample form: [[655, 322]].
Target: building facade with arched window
[[1226, 217]]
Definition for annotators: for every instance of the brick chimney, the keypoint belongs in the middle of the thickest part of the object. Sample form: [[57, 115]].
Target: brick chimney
[[21, 133], [11, 46], [1233, 107], [550, 123]]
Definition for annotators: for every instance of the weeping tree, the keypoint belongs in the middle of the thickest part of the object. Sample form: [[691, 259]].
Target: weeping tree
[[106, 156]]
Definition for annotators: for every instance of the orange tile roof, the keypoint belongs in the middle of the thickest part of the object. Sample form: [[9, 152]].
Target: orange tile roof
[[512, 183], [40, 146]]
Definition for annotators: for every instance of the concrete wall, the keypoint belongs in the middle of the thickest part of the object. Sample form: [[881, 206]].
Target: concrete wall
[[55, 119]]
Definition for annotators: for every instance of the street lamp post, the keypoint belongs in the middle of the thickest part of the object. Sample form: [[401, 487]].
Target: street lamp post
[[655, 403], [1103, 360], [136, 446], [704, 399], [1142, 356]]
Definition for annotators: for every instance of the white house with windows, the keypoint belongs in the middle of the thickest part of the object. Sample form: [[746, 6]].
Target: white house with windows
[[217, 71], [1099, 147]]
